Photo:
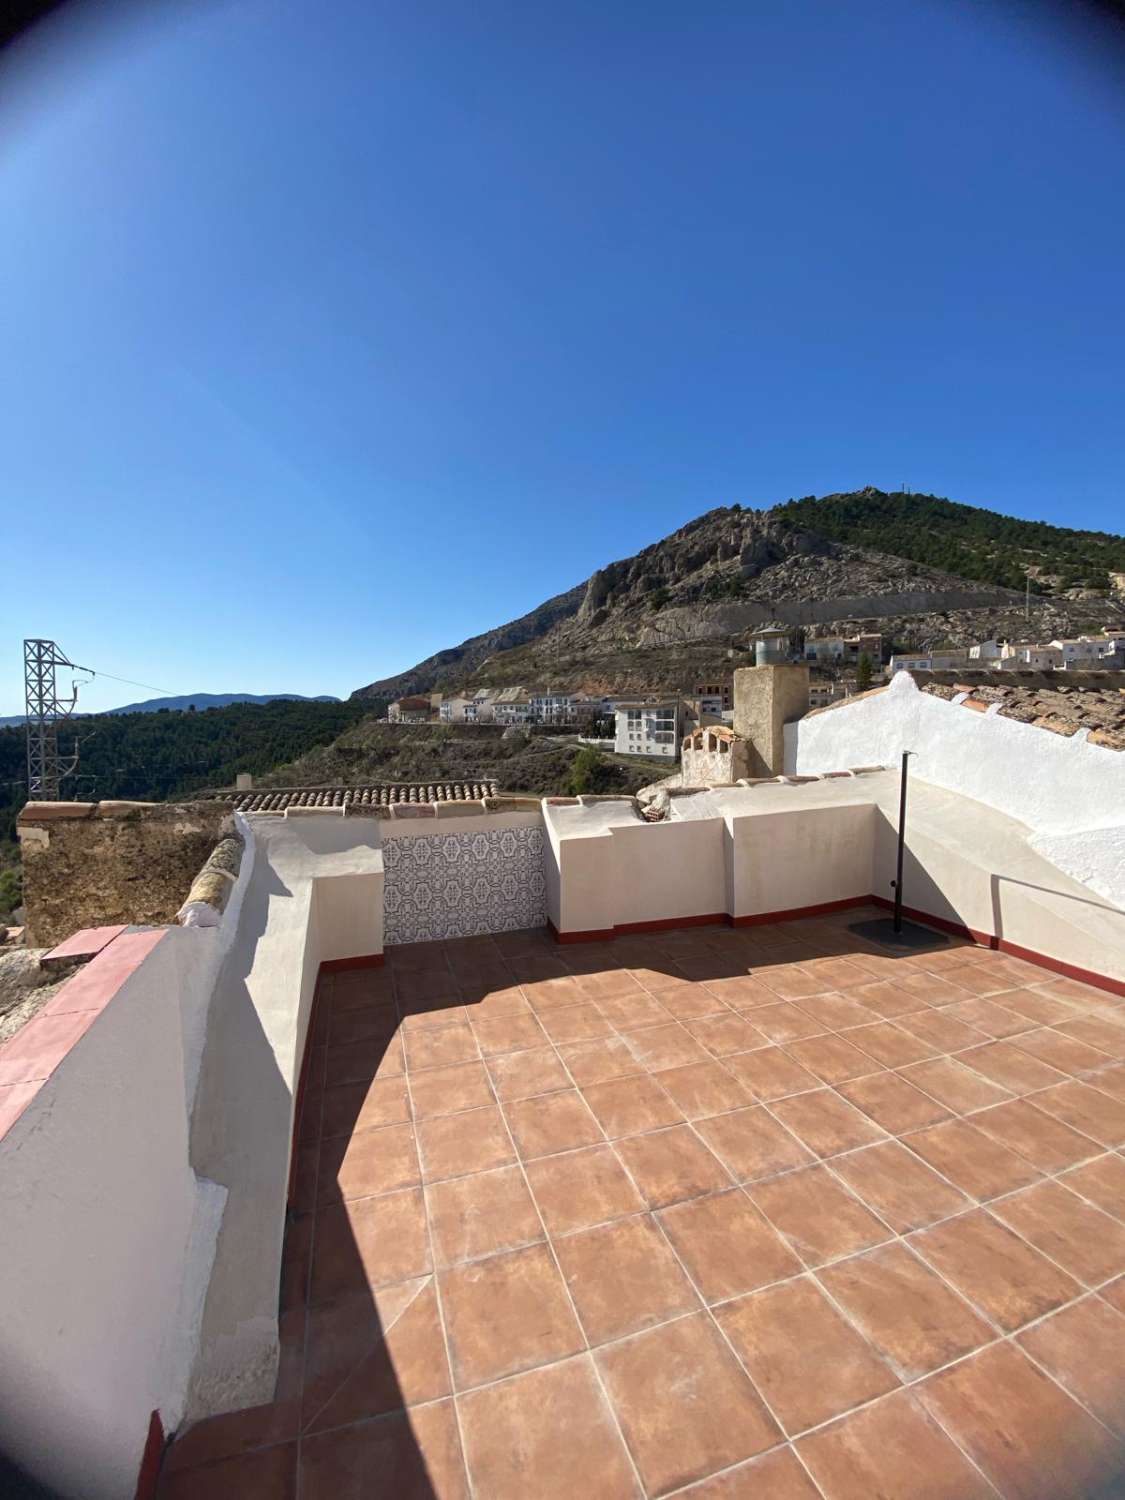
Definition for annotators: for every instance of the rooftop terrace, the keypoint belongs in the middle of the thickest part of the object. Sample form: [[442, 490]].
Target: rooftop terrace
[[758, 1212]]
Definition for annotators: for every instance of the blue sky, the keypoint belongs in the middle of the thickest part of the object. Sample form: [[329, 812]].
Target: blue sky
[[334, 334]]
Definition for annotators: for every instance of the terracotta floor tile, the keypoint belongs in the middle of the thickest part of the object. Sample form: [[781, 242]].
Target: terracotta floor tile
[[1107, 1036], [770, 1073], [1001, 1275], [368, 1162], [971, 1160], [1111, 1080], [1083, 1347], [671, 1165], [1026, 1434], [792, 982], [727, 1246], [416, 1454], [440, 1046], [1102, 1182], [453, 1145], [888, 1043], [1114, 1294], [430, 1015], [933, 989], [660, 1047], [623, 1277], [347, 1028], [839, 973], [485, 998], [609, 984], [685, 1405], [903, 1191], [1046, 1142], [1073, 1233], [201, 1445], [370, 1242], [581, 1188], [891, 1450], [361, 1063], [522, 1075], [628, 1106], [1042, 1009], [363, 1360], [892, 1102], [775, 1476], [888, 998], [909, 1313], [952, 1084], [1057, 1050], [940, 1032], [631, 1012], [832, 1059], [361, 1106], [703, 1088], [506, 1033], [751, 1144], [267, 1474], [784, 1021], [447, 1091], [551, 1123], [538, 1425], [825, 1122], [837, 1012], [552, 991], [989, 1018], [1005, 1064], [819, 1218], [599, 1060], [742, 993], [1070, 989], [506, 1314], [687, 1001], [481, 1215], [979, 978], [722, 1035], [807, 1361], [1086, 1109], [575, 1023]]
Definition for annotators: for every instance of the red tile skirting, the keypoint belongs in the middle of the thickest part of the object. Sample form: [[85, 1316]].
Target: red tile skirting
[[988, 940], [665, 924], [150, 1459], [364, 961]]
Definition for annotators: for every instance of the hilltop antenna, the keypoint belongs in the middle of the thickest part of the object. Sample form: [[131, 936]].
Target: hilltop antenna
[[44, 710]]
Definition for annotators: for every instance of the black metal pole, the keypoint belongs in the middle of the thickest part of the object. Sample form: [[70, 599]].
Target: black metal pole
[[901, 842]]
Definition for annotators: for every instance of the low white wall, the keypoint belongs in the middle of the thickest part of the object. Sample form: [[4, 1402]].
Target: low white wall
[[662, 870], [784, 860], [106, 1239], [315, 894], [1054, 783]]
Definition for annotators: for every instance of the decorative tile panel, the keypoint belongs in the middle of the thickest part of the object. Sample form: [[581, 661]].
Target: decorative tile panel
[[462, 884]]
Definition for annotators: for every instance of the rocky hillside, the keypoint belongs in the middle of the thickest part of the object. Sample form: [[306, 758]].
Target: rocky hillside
[[685, 605]]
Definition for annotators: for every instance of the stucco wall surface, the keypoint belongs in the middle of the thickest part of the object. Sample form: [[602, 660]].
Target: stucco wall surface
[[1057, 786], [315, 894], [106, 1239]]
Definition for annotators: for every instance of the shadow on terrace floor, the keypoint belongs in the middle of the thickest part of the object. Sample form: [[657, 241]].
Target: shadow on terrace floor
[[583, 1218]]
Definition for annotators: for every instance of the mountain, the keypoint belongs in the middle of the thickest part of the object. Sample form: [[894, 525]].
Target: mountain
[[194, 700], [920, 568], [216, 700]]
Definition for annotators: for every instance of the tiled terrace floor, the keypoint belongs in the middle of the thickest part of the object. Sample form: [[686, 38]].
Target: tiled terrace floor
[[739, 1213]]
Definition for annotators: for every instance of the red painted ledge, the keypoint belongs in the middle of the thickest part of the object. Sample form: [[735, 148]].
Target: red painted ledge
[[150, 1459], [82, 946], [29, 1058]]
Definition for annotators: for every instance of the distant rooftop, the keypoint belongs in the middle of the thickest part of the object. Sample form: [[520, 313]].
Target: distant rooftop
[[373, 794]]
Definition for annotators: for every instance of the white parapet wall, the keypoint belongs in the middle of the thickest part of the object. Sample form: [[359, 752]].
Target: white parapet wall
[[1067, 791], [107, 1235]]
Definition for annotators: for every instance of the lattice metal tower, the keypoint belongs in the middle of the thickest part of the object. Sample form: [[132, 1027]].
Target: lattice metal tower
[[44, 710]]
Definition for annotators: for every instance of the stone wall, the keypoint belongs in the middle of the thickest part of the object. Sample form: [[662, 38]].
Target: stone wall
[[87, 864]]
